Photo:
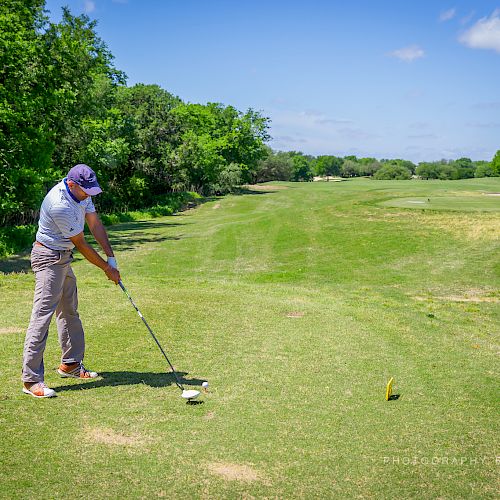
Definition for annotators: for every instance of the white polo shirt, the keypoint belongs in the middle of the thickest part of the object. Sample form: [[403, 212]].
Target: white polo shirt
[[61, 218]]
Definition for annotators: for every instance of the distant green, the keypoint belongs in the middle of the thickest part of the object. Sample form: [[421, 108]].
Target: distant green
[[297, 304], [486, 202]]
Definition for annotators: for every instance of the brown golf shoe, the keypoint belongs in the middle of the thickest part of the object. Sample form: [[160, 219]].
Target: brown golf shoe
[[75, 370]]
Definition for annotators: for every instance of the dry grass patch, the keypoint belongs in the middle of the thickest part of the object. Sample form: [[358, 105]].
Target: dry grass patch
[[10, 329], [107, 436], [216, 206], [471, 226], [475, 227], [295, 314], [269, 187], [456, 298], [472, 295], [235, 472]]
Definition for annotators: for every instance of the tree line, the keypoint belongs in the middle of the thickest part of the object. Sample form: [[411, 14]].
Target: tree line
[[296, 166], [62, 102]]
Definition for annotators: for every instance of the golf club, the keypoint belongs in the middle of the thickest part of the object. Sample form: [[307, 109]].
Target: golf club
[[186, 394]]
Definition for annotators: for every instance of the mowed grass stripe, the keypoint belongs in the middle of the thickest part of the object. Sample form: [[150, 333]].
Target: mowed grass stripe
[[296, 404]]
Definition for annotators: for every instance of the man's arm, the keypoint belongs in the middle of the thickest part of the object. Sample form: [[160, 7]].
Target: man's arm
[[93, 257], [97, 229]]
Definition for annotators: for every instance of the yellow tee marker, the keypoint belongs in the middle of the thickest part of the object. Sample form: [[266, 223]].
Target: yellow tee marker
[[388, 390]]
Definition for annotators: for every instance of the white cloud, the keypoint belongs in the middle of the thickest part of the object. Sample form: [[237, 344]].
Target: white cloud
[[483, 124], [468, 17], [422, 136], [484, 34], [447, 14], [289, 139], [419, 125], [408, 54], [308, 119], [332, 121], [315, 132], [89, 6], [356, 134], [487, 105]]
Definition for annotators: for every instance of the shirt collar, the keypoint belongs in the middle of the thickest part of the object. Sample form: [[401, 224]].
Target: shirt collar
[[73, 197]]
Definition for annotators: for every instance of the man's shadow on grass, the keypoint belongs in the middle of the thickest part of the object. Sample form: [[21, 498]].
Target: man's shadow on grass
[[112, 379], [130, 235], [123, 236]]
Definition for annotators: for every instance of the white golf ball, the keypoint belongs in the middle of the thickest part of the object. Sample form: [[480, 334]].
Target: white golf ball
[[204, 385]]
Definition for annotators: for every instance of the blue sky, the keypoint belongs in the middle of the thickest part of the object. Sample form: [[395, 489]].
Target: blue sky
[[418, 80]]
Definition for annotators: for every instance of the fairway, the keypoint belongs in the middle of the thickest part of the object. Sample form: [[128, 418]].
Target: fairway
[[297, 302]]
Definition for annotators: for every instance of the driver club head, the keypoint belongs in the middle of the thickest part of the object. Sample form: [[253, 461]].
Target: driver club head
[[190, 395]]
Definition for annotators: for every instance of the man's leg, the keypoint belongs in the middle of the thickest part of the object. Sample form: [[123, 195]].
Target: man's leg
[[49, 277], [69, 325]]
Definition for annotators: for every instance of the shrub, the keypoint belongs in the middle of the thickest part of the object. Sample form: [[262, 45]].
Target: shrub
[[388, 172], [16, 238]]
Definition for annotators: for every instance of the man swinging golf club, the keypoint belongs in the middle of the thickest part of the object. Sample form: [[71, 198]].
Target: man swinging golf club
[[63, 214]]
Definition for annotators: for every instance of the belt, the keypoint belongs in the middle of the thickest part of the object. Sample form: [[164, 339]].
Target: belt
[[38, 244]]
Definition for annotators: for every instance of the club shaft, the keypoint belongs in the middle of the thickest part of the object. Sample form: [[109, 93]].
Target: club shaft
[[177, 381]]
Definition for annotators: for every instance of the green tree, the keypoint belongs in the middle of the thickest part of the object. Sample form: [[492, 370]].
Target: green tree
[[301, 170], [448, 171], [157, 132], [327, 165], [495, 164], [238, 138], [84, 80], [198, 158], [276, 166], [464, 168], [108, 143], [484, 169], [25, 96], [52, 78], [350, 168], [368, 166], [427, 170], [390, 171]]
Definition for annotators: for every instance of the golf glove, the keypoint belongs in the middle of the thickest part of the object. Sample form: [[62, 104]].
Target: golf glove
[[112, 262]]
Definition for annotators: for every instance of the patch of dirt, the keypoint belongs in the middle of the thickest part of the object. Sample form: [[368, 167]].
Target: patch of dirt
[[476, 296], [216, 206], [456, 298], [269, 187], [295, 314], [472, 226], [110, 437], [10, 329], [235, 472], [209, 416]]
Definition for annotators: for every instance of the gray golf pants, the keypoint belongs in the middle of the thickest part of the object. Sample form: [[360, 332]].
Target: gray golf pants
[[55, 291]]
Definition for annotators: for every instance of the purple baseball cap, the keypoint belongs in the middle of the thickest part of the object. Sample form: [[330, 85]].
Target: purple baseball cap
[[85, 177]]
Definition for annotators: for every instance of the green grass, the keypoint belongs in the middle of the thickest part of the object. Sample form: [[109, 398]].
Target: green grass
[[296, 405], [18, 239], [485, 202]]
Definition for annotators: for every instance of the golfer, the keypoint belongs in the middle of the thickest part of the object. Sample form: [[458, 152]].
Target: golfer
[[63, 214]]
